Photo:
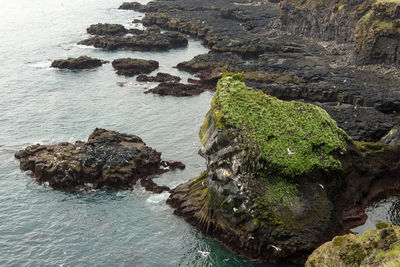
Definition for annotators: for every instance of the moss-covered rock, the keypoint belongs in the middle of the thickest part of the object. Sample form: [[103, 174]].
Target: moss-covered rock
[[282, 177], [380, 247]]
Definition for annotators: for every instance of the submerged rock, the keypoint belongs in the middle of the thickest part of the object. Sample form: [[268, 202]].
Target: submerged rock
[[146, 41], [83, 62], [107, 160], [133, 66], [161, 77], [107, 29], [282, 177], [380, 247]]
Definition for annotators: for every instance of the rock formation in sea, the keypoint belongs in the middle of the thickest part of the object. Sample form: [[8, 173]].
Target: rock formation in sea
[[82, 62], [107, 160], [107, 29], [134, 66], [161, 77], [380, 247], [147, 41], [282, 178], [177, 89]]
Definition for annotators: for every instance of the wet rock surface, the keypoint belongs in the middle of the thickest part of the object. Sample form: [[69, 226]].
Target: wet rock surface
[[146, 41], [161, 77], [107, 160], [263, 194], [133, 66], [83, 62]]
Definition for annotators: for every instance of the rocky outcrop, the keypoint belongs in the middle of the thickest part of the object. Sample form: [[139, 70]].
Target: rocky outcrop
[[133, 6], [147, 41], [107, 29], [281, 177], [107, 160], [380, 247], [177, 89], [134, 66], [82, 62], [161, 77]]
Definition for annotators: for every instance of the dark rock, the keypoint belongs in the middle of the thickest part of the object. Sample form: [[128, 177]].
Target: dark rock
[[151, 186], [133, 6], [159, 78], [361, 123], [83, 62], [177, 89], [107, 29], [108, 159], [146, 41], [135, 31], [132, 66]]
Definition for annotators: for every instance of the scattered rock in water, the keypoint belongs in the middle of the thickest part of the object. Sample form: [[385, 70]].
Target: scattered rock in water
[[161, 77], [146, 41], [133, 6], [107, 160], [151, 186], [107, 29], [133, 66], [82, 62], [282, 178], [177, 89], [379, 247]]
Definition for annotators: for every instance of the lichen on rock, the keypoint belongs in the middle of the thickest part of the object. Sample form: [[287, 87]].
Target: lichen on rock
[[380, 247]]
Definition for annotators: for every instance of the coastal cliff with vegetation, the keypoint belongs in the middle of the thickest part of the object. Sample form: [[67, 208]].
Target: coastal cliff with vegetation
[[281, 178]]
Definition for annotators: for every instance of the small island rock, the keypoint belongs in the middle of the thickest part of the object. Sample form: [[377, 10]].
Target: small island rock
[[133, 66]]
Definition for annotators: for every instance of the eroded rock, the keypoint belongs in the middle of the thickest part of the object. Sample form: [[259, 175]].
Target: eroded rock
[[177, 89], [107, 29], [159, 78], [107, 160]]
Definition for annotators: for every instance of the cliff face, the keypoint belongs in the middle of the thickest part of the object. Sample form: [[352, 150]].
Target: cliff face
[[373, 26], [380, 247], [281, 177]]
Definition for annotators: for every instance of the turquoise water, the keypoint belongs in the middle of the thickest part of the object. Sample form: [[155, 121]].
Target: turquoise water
[[43, 227]]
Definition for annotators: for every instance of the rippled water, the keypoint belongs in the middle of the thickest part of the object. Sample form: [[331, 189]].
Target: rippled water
[[44, 227]]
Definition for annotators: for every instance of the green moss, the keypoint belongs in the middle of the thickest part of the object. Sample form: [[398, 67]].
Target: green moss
[[382, 225], [292, 137], [339, 241]]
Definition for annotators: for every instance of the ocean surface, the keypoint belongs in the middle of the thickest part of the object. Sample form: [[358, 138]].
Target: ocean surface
[[40, 226]]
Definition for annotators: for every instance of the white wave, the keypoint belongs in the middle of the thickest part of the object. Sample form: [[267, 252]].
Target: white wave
[[44, 64], [157, 198]]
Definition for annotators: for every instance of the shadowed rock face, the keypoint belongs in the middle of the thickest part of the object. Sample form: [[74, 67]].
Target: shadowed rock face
[[108, 159], [133, 66], [281, 177], [83, 62]]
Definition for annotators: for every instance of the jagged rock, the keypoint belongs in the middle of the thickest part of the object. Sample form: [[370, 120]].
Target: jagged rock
[[146, 41], [159, 78], [135, 31], [133, 66], [177, 89], [107, 160], [82, 62], [378, 247], [133, 6], [151, 186], [392, 137], [281, 177], [107, 29]]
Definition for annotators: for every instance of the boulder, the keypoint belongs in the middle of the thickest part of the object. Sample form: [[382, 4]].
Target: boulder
[[161, 77], [107, 29], [176, 89], [107, 160], [133, 66], [82, 62], [146, 41], [379, 247], [282, 178]]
